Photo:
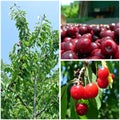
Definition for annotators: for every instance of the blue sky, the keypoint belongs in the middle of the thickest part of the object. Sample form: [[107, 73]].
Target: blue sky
[[9, 33]]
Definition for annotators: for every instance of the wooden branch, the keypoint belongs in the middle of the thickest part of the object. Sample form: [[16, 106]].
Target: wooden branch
[[23, 103], [40, 112]]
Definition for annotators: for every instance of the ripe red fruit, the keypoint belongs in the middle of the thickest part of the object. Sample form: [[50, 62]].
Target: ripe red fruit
[[117, 33], [67, 39], [112, 75], [78, 35], [83, 45], [62, 45], [97, 52], [112, 26], [83, 30], [107, 33], [85, 94], [68, 46], [91, 90], [81, 108], [88, 35], [72, 31], [108, 47], [94, 46], [102, 83], [77, 92], [63, 33], [69, 55], [96, 30], [103, 73]]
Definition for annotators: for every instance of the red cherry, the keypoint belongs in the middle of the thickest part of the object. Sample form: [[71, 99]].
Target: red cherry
[[83, 30], [116, 56], [102, 83], [74, 41], [88, 35], [108, 47], [117, 33], [68, 46], [107, 33], [67, 39], [85, 96], [81, 108], [77, 92], [103, 73], [83, 45], [112, 26], [112, 75], [62, 45], [71, 31], [97, 52], [78, 35], [91, 90], [69, 55], [94, 46], [96, 30], [63, 33]]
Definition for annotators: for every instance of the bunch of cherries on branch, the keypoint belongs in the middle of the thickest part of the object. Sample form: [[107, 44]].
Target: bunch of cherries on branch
[[82, 41], [89, 91]]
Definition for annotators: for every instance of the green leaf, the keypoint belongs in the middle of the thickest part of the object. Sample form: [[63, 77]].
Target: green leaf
[[92, 109], [63, 101], [98, 99], [110, 66], [73, 114]]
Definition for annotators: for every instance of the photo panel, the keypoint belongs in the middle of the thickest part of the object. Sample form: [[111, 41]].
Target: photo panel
[[90, 30], [89, 89], [30, 60]]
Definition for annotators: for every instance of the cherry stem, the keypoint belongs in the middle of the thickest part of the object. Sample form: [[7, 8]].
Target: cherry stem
[[81, 72], [88, 75]]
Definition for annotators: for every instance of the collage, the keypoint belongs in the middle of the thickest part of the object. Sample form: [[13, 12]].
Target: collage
[[60, 59]]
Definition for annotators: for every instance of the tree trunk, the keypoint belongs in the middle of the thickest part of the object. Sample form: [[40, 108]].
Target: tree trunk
[[83, 9]]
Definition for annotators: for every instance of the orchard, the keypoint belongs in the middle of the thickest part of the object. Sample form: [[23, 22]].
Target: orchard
[[89, 90], [82, 41]]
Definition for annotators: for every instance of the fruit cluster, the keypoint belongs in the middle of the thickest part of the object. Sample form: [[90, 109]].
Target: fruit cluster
[[103, 77], [89, 91], [81, 41], [79, 91]]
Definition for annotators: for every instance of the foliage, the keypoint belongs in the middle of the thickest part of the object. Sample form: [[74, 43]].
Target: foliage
[[104, 106], [71, 10], [30, 82]]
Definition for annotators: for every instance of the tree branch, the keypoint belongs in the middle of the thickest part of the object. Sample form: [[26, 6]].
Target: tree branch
[[40, 112], [23, 103]]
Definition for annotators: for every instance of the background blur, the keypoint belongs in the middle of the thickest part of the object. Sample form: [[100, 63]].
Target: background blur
[[91, 11]]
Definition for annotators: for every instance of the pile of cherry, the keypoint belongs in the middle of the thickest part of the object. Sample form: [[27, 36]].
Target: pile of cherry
[[90, 91], [81, 41]]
